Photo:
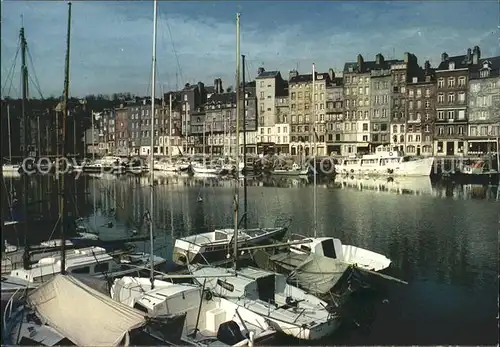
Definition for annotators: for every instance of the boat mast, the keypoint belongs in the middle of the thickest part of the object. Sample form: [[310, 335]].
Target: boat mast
[[245, 192], [315, 205], [151, 152], [237, 130], [170, 126], [9, 133], [62, 200], [26, 132], [204, 134]]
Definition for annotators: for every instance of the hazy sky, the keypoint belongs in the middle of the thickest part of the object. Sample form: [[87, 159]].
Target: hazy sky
[[112, 41]]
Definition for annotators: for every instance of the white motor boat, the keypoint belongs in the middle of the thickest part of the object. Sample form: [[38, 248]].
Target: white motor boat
[[215, 245], [165, 166], [207, 169], [287, 308], [386, 161], [333, 248], [209, 320], [91, 261]]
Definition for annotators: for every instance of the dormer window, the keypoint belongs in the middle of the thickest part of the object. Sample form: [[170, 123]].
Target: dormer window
[[451, 66]]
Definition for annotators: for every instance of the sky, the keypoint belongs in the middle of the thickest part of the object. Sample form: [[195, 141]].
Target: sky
[[111, 41]]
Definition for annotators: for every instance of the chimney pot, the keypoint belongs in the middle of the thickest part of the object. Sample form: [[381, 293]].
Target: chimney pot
[[444, 57]]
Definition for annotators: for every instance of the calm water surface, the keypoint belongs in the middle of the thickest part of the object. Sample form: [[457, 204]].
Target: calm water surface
[[442, 239]]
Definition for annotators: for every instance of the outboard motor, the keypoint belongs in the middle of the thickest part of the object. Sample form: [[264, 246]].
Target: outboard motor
[[230, 333]]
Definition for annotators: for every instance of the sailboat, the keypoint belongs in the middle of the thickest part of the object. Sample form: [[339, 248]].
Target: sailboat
[[331, 247], [168, 165], [215, 245]]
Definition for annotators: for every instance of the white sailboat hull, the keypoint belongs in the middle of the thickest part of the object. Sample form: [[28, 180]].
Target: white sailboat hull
[[206, 170], [418, 167]]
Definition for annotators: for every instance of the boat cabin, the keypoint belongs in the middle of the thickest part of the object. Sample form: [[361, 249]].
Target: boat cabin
[[173, 299], [90, 260], [326, 246]]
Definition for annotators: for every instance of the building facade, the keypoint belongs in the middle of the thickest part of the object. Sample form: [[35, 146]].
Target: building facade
[[421, 112], [484, 107], [334, 114], [452, 76]]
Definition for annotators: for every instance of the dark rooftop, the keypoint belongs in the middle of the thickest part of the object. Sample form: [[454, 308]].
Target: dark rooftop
[[268, 74], [309, 77], [368, 66]]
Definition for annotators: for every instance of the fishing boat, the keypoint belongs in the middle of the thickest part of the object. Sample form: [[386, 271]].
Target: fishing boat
[[91, 261], [209, 320], [289, 309], [386, 160], [215, 245], [66, 311]]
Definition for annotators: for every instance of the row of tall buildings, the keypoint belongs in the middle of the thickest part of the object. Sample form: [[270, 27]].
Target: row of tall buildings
[[447, 110]]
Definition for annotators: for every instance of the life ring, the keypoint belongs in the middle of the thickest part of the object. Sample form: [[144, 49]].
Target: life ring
[[391, 154]]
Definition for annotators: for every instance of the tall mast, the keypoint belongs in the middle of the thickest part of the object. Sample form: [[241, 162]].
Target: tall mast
[[244, 143], [9, 133], [24, 77], [237, 131], [62, 201], [170, 125], [151, 152], [315, 224]]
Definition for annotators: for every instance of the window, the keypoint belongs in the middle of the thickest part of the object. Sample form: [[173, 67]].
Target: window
[[441, 83], [440, 147], [365, 127], [101, 267], [365, 138], [427, 128], [440, 130], [460, 130], [451, 82], [427, 104], [450, 130], [451, 97], [461, 82], [419, 93], [410, 93], [451, 114], [81, 270], [440, 98], [427, 93], [461, 97], [440, 115], [461, 114]]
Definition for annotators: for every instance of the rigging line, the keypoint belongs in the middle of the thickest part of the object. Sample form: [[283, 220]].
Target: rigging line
[[37, 85], [173, 47], [10, 76], [12, 66]]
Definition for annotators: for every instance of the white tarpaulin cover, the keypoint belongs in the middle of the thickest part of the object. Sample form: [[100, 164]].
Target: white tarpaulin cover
[[82, 314]]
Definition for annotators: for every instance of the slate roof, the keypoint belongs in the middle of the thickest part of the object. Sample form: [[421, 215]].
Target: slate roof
[[308, 77], [494, 65], [268, 74], [459, 60], [223, 98], [370, 65]]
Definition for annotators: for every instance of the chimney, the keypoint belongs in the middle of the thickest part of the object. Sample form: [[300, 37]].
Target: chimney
[[331, 74], [427, 66], [379, 59], [221, 90], [360, 63], [260, 70], [292, 73], [468, 58], [216, 85], [444, 57], [476, 55]]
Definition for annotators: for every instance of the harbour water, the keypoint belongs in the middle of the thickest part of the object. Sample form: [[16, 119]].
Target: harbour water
[[441, 237]]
